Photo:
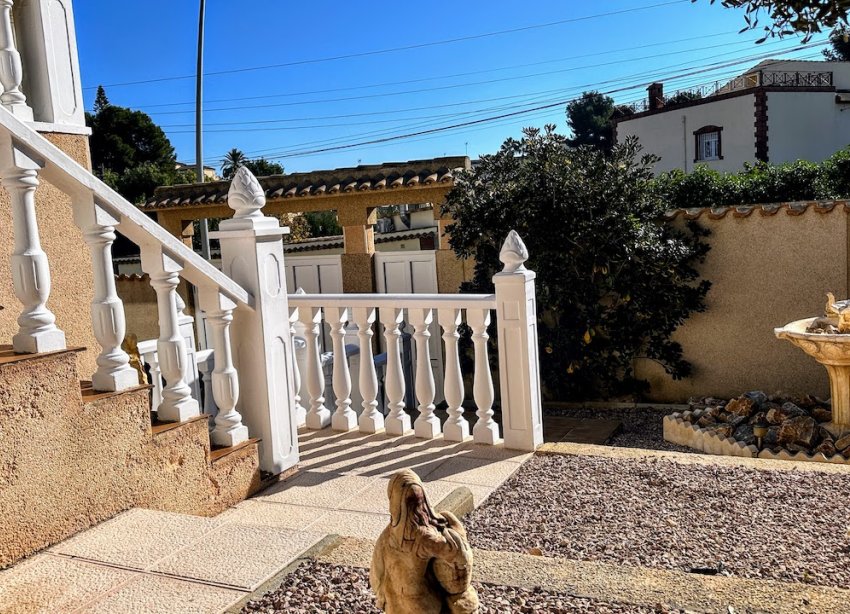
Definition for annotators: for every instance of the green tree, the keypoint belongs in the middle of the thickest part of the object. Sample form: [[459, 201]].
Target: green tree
[[682, 97], [100, 100], [322, 224], [807, 17], [592, 119], [613, 280], [839, 42], [233, 159], [263, 168]]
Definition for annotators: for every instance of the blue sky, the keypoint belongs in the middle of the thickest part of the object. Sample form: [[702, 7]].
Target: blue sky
[[288, 113]]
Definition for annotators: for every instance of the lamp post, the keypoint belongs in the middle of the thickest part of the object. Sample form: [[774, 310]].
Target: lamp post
[[199, 141]]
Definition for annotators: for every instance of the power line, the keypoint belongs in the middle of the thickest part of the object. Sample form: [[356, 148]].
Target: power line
[[403, 48]]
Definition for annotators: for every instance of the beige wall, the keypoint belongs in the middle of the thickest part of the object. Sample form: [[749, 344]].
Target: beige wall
[[140, 307], [671, 134], [766, 271], [70, 263]]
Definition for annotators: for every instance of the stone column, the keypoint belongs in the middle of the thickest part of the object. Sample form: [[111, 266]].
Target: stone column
[[450, 268], [252, 255], [519, 363], [11, 69], [358, 273]]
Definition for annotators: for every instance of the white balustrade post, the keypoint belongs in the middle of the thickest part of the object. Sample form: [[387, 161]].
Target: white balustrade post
[[228, 429], [206, 364], [456, 427], [371, 420], [37, 331], [107, 310], [398, 421], [252, 255], [11, 69], [427, 425], [486, 430], [519, 362], [299, 348], [344, 418], [177, 402], [318, 416]]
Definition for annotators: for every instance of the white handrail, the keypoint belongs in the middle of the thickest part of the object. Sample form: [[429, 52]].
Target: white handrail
[[73, 179], [434, 301]]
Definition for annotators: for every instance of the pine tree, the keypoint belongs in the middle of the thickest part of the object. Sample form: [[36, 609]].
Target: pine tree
[[100, 100]]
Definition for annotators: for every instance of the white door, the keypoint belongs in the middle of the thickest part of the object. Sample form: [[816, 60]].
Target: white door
[[413, 272], [316, 275]]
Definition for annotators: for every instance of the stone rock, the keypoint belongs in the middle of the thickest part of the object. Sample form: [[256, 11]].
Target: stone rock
[[706, 420], [795, 447], [772, 437], [422, 561], [757, 397], [821, 414], [743, 406], [824, 435], [736, 421], [800, 430], [713, 411], [744, 433], [724, 430], [843, 443], [759, 417], [781, 414], [827, 448]]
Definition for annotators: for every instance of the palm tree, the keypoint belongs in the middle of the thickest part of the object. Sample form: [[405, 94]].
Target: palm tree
[[232, 161]]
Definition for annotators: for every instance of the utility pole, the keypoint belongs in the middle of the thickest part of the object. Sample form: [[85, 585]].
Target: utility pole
[[199, 140]]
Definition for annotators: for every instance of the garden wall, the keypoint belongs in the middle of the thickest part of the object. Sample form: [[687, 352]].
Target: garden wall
[[769, 265]]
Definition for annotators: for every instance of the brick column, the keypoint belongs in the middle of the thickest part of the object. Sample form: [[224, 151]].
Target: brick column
[[358, 272], [450, 268]]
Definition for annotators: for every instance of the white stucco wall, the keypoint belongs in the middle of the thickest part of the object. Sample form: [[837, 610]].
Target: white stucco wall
[[805, 126], [671, 134]]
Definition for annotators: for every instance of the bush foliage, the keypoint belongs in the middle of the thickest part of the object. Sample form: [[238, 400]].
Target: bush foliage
[[757, 183], [613, 280]]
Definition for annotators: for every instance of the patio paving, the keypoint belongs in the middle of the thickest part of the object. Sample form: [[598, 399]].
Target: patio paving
[[152, 561]]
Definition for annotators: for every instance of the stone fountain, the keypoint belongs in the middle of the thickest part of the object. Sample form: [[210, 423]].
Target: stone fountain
[[827, 340]]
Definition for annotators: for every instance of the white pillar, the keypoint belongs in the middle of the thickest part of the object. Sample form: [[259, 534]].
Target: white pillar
[[371, 420], [427, 425], [519, 363], [11, 69], [228, 429], [344, 418], [206, 364], [456, 427], [177, 402], [107, 311], [37, 330], [252, 255], [299, 349], [486, 430], [398, 421], [318, 416]]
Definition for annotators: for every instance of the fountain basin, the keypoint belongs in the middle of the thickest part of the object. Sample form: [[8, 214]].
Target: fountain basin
[[833, 352]]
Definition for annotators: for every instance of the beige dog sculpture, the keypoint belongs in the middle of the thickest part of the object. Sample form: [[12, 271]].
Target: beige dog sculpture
[[422, 561]]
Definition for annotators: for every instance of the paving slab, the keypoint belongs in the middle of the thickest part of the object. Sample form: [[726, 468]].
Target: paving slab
[[150, 594], [48, 584], [315, 489], [267, 514], [237, 555], [136, 539], [352, 524], [476, 471]]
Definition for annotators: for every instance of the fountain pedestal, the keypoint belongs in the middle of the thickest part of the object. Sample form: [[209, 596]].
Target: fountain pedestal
[[833, 352]]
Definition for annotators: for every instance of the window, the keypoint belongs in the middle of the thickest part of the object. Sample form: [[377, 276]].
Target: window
[[707, 144]]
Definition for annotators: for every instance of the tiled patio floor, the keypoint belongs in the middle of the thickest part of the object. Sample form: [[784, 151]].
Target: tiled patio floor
[[148, 561]]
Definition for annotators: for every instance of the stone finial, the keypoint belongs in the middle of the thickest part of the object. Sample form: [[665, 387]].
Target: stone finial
[[300, 290], [514, 253], [246, 196]]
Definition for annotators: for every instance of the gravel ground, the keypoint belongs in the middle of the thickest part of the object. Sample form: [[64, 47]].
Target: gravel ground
[[783, 525], [321, 587], [641, 426]]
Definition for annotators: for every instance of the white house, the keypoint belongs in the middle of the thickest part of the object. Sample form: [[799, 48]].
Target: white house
[[778, 111]]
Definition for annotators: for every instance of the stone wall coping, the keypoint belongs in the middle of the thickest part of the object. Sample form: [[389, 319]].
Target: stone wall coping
[[792, 208]]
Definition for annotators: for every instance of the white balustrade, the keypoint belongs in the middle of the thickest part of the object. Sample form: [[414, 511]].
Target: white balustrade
[[177, 403], [37, 331], [299, 347], [486, 430], [398, 421], [456, 427], [371, 420], [147, 351], [228, 429], [318, 416], [205, 360], [344, 418], [11, 68], [427, 425], [107, 310]]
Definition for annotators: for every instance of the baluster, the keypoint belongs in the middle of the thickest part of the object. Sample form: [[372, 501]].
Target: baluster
[[371, 420], [344, 418], [107, 310], [456, 427], [318, 416], [177, 402], [11, 70], [427, 425], [298, 348], [486, 430], [150, 358], [37, 331], [398, 421], [228, 429], [206, 364]]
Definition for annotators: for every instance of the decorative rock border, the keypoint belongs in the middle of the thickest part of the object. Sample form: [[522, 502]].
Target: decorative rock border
[[679, 431]]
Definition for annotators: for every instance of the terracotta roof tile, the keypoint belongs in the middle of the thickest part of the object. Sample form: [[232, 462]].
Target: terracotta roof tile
[[769, 209]]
